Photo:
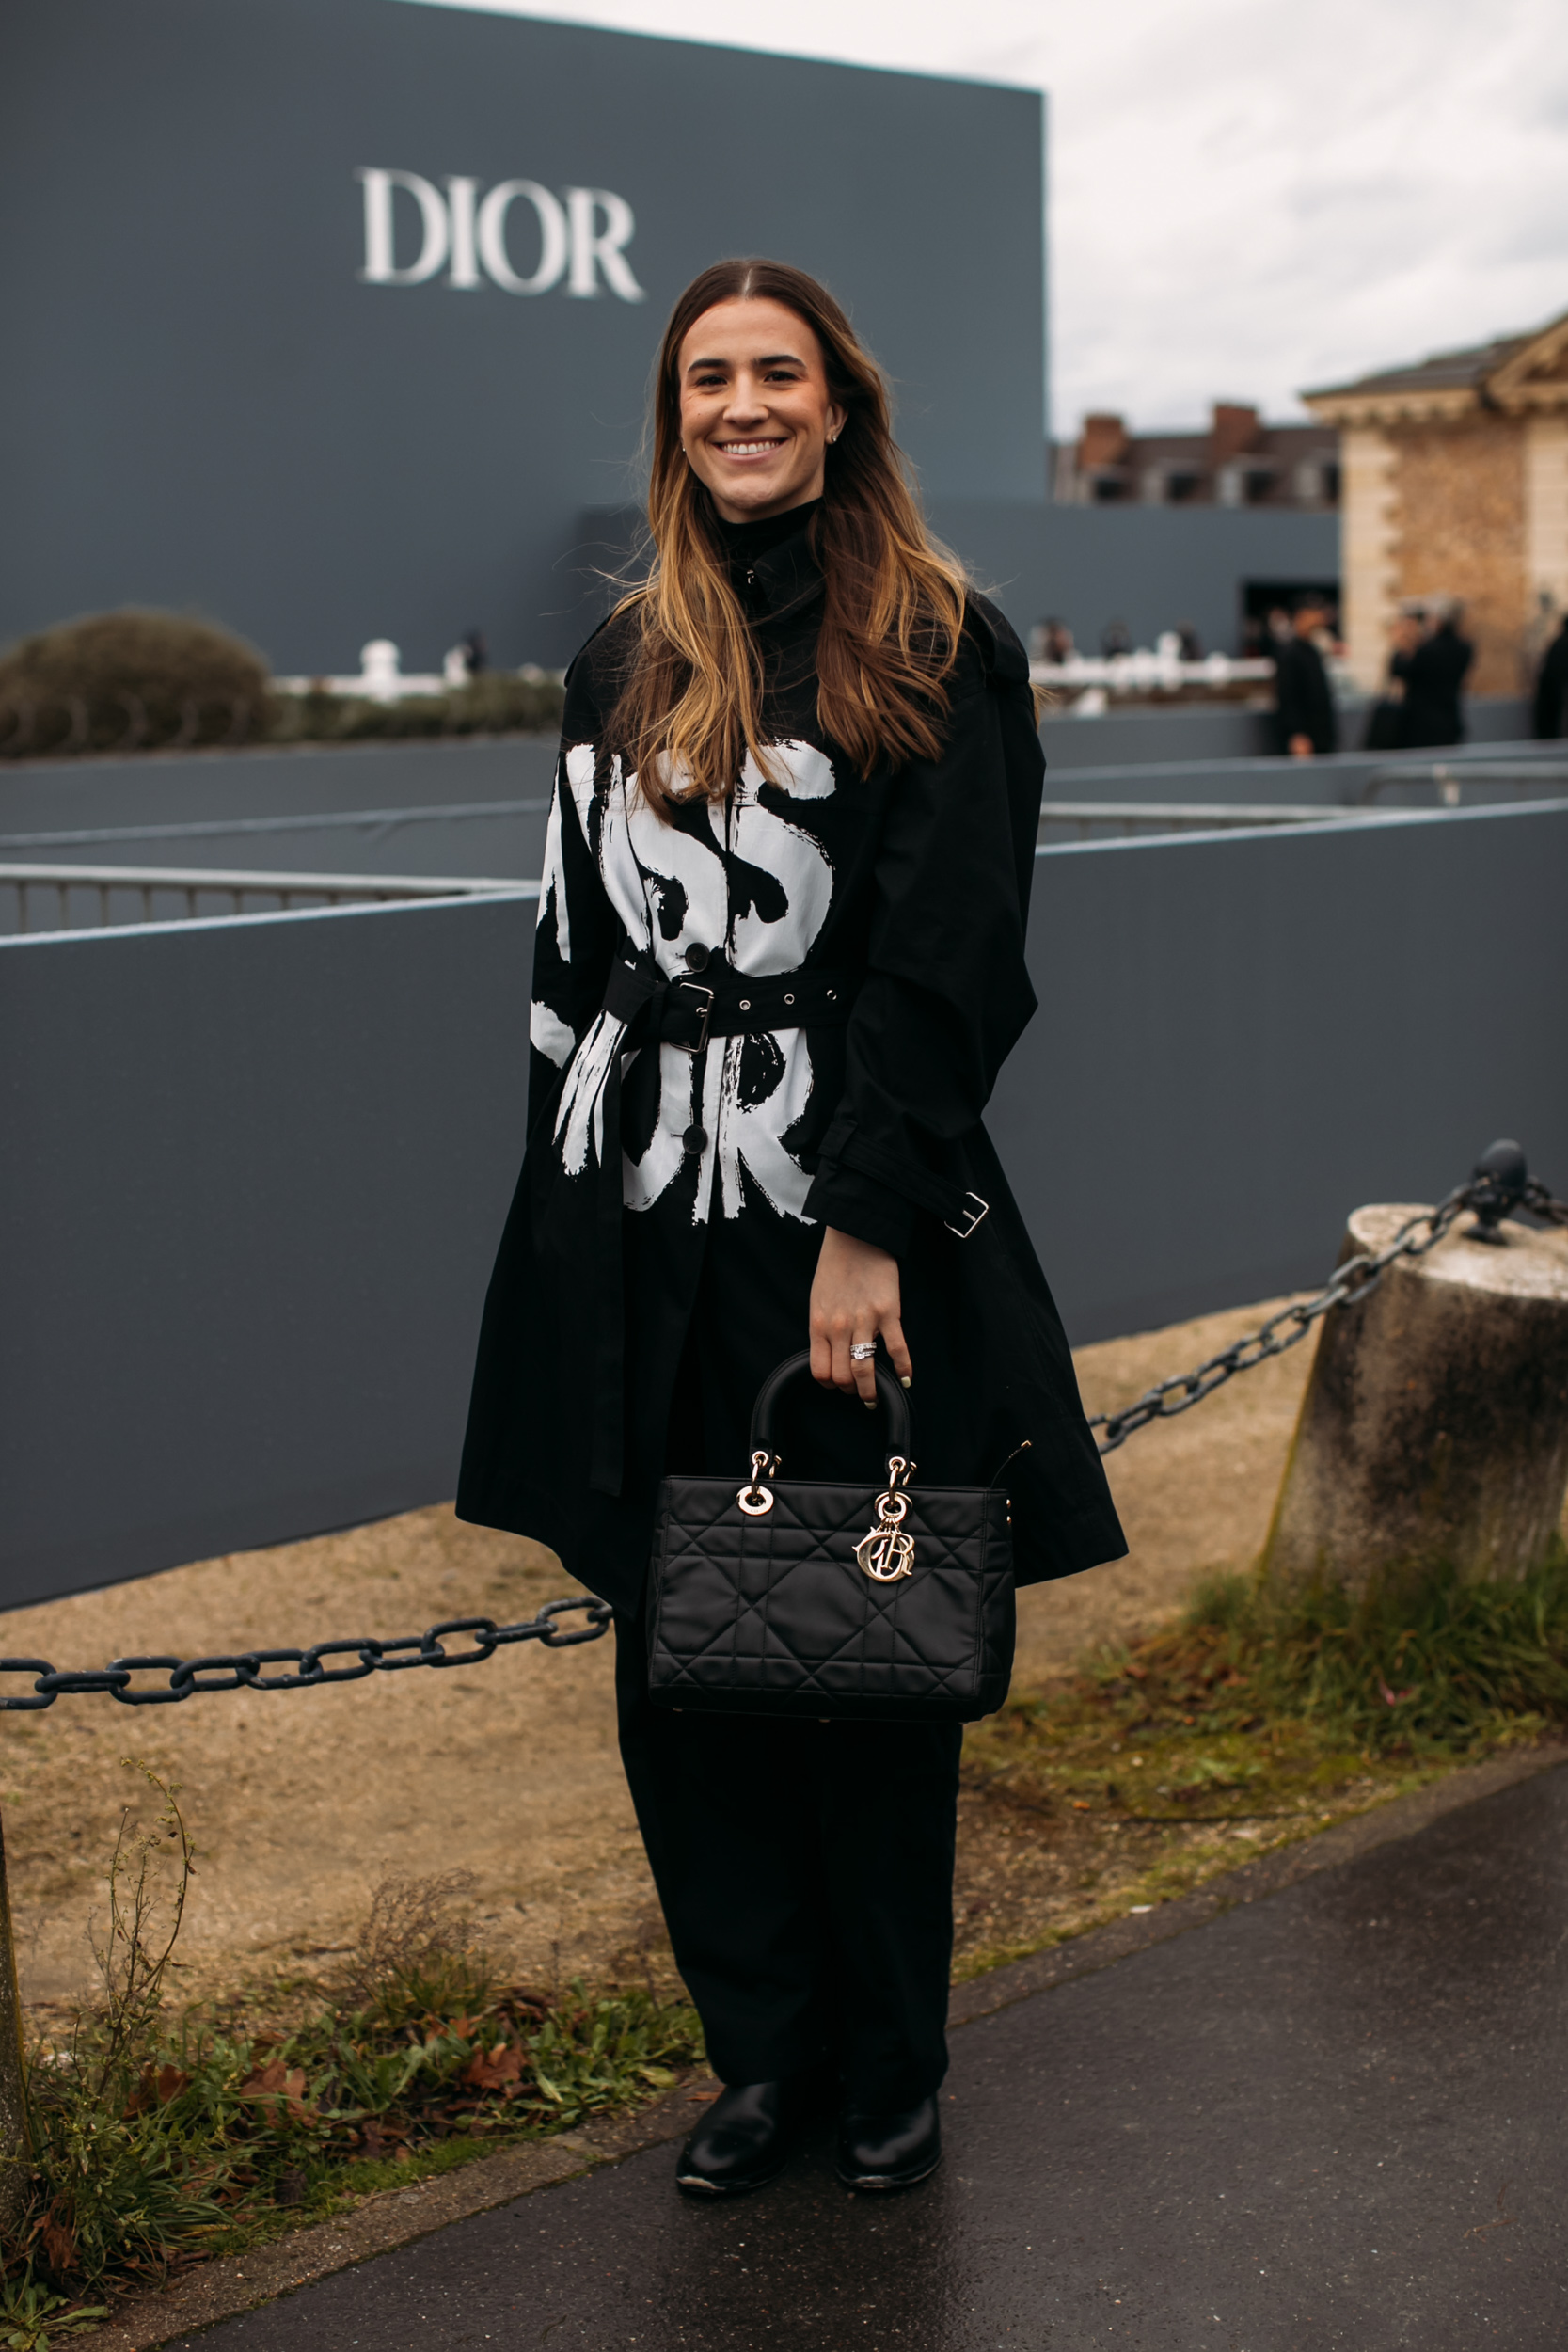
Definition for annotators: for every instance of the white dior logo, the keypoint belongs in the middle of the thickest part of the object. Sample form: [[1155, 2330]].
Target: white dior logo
[[582, 234]]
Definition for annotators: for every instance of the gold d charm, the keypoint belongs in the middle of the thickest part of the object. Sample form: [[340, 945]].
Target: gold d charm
[[886, 1553]]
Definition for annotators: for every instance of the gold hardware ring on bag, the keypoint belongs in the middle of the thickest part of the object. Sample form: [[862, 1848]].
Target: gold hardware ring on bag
[[755, 1499]]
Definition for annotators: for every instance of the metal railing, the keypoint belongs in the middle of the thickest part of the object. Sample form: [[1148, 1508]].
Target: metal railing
[[1451, 776], [146, 894], [1125, 818], [1161, 667], [376, 821]]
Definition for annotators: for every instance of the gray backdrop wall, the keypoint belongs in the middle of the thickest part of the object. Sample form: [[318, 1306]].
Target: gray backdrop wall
[[210, 403], [255, 1169]]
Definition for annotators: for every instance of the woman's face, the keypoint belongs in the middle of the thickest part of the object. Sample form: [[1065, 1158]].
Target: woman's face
[[756, 415]]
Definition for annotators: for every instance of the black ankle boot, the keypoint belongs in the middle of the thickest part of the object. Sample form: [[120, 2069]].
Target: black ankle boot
[[889, 2151], [743, 2141]]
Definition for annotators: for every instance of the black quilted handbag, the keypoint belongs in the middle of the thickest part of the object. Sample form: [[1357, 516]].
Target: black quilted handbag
[[784, 1597]]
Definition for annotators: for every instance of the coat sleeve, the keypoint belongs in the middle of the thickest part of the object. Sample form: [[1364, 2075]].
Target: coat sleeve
[[578, 930], [946, 993]]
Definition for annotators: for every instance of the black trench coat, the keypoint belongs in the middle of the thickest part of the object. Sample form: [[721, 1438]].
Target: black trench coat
[[666, 1225]]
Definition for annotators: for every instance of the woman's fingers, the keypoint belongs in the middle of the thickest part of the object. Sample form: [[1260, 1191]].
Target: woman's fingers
[[897, 1354]]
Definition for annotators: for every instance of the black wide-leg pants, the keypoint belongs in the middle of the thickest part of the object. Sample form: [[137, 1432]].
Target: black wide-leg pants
[[806, 1871]]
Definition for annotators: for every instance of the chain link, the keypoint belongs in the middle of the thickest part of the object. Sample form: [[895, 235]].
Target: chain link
[[1539, 1201], [241, 1670], [1499, 1185]]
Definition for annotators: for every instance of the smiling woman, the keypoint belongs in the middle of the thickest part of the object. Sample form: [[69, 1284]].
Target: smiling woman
[[780, 962]]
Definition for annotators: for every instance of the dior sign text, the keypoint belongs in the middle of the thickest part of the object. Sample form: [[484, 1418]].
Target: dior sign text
[[579, 236]]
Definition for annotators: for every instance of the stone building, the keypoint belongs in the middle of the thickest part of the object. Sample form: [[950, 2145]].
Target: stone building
[[1240, 461], [1454, 476]]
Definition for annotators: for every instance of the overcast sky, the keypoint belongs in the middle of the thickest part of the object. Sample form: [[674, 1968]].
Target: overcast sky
[[1246, 197]]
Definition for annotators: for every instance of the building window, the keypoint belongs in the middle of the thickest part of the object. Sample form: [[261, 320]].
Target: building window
[[1180, 487], [1317, 482]]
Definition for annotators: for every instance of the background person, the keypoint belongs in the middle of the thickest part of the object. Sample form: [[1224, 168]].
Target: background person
[[1305, 716], [805, 754], [1434, 680], [1051, 640], [1551, 688], [1385, 724]]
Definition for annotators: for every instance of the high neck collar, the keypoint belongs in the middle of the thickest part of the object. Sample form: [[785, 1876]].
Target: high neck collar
[[750, 540], [771, 567]]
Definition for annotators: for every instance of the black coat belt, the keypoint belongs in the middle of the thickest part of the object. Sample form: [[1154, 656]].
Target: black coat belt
[[687, 1011]]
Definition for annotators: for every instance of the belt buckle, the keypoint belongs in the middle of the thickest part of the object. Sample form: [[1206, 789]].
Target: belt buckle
[[704, 1017], [971, 1216]]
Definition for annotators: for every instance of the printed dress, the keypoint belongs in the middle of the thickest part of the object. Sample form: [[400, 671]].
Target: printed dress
[[766, 1015]]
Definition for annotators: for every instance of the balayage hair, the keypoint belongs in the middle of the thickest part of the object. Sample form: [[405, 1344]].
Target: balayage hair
[[691, 705]]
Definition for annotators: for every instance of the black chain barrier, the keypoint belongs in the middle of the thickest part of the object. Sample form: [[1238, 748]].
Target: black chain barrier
[[1500, 1184], [241, 1670]]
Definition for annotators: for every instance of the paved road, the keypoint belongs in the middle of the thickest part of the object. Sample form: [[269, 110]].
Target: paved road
[[1338, 2117]]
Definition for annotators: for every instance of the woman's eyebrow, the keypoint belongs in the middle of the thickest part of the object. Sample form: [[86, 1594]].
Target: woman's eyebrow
[[773, 360]]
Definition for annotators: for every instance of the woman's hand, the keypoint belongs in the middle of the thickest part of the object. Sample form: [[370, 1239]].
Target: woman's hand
[[855, 1298]]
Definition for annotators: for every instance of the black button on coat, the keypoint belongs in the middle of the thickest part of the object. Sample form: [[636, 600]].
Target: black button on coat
[[668, 1219]]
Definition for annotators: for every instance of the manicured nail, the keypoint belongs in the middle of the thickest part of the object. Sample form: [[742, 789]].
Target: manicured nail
[[870, 1403], [903, 1380]]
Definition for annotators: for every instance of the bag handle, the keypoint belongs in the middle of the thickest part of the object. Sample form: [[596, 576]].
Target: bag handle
[[895, 1404]]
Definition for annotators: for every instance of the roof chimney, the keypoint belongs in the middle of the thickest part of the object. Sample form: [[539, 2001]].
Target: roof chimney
[[1234, 431], [1101, 443]]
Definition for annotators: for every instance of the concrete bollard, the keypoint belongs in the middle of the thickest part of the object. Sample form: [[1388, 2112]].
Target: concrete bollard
[[1435, 1426]]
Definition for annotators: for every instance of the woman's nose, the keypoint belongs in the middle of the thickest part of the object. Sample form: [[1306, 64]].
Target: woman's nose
[[745, 403]]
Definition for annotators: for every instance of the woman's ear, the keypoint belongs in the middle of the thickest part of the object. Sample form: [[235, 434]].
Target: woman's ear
[[837, 419]]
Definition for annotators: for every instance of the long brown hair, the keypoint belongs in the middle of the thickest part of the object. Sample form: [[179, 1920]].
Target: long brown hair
[[692, 707]]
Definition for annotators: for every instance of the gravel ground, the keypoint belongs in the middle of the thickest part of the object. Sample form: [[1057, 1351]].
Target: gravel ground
[[300, 1803]]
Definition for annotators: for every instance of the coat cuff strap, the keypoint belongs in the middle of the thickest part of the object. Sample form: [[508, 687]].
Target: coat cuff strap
[[959, 1210]]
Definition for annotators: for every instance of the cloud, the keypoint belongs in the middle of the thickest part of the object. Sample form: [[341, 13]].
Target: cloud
[[1247, 195]]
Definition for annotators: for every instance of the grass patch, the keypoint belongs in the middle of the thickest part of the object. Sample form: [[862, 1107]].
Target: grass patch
[[161, 2139], [1428, 1664], [1248, 1722]]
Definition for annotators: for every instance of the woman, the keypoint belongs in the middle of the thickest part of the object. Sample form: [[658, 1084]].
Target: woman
[[780, 961]]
